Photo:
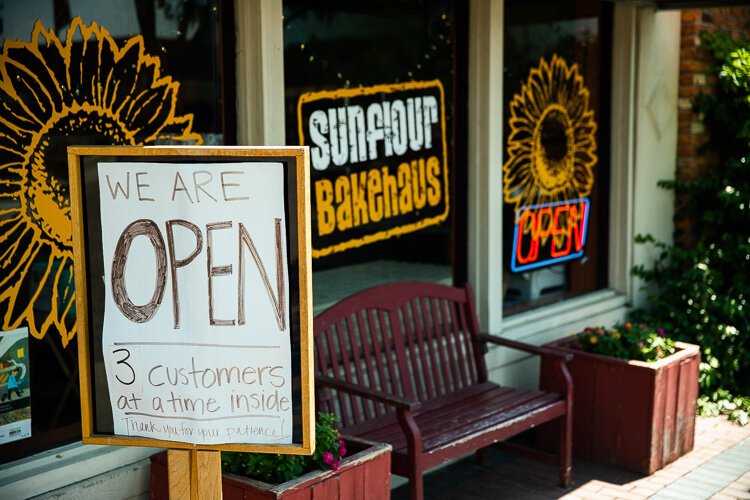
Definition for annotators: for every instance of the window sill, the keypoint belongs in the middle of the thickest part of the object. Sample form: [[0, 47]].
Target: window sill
[[561, 319], [64, 466]]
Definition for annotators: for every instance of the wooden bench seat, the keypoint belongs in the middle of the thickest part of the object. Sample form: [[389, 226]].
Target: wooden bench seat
[[403, 364]]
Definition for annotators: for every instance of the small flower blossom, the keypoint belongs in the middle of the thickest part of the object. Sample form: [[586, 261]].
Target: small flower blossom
[[342, 450], [335, 465], [638, 341], [328, 458]]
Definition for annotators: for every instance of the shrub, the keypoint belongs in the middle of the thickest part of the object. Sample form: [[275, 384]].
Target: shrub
[[274, 468], [699, 294]]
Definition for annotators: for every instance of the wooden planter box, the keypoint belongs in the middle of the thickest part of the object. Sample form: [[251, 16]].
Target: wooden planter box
[[364, 475], [635, 415]]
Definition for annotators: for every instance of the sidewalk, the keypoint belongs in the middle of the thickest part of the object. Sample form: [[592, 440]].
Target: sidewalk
[[718, 468]]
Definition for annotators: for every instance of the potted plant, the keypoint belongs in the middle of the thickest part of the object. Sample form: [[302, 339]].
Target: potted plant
[[635, 393], [338, 469]]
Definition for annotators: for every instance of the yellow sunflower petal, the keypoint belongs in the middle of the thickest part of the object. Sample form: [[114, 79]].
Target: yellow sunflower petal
[[54, 309], [51, 88], [180, 129], [552, 97], [23, 287]]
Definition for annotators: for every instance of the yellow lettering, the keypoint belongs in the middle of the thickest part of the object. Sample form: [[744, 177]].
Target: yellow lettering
[[434, 193], [343, 200], [374, 198], [418, 183], [324, 206], [359, 198], [390, 193], [356, 199], [404, 185]]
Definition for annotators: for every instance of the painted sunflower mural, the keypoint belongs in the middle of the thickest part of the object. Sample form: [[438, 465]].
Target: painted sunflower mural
[[552, 144], [83, 90]]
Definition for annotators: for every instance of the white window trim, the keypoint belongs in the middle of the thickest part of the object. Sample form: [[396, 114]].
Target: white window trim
[[260, 72], [485, 196]]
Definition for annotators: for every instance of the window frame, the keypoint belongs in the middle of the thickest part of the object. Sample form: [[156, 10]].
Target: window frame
[[485, 194]]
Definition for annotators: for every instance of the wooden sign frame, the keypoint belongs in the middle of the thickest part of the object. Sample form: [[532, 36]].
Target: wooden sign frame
[[81, 161]]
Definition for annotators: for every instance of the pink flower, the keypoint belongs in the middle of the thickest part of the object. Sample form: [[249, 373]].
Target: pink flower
[[328, 459], [335, 465], [342, 450], [661, 333]]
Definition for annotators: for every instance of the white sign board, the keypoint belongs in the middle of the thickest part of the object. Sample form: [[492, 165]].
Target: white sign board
[[196, 325]]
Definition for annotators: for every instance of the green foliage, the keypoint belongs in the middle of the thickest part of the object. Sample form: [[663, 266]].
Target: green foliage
[[639, 342], [274, 468], [722, 403], [700, 294], [727, 114]]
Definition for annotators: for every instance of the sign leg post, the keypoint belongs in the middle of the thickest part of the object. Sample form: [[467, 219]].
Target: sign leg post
[[194, 475]]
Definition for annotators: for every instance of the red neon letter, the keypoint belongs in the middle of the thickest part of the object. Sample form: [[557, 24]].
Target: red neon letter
[[534, 248]]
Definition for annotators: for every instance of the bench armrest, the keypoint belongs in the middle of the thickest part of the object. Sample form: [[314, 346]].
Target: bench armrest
[[366, 392], [514, 344]]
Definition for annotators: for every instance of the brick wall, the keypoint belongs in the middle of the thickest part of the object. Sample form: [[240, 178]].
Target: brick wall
[[694, 78]]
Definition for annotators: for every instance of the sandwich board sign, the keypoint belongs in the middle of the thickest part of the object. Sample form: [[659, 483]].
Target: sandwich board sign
[[192, 274]]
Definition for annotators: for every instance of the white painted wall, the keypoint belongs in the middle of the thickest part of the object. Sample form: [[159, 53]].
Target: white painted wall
[[79, 471], [658, 46], [131, 482]]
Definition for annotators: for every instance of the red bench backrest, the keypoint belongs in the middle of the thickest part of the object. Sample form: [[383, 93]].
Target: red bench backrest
[[411, 339]]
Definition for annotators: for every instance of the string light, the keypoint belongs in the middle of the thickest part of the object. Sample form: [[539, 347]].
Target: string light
[[410, 74]]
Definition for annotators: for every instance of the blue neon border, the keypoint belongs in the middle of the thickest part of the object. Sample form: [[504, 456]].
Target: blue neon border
[[549, 262]]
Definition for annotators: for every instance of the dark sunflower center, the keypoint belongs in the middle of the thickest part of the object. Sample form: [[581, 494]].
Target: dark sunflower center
[[48, 192], [553, 138]]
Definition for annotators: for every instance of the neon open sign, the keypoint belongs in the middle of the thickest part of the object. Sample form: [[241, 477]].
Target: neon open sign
[[549, 233]]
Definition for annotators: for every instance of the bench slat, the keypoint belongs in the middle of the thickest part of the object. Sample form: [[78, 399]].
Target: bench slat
[[444, 424]]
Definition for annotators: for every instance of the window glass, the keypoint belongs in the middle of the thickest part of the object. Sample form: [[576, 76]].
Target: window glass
[[372, 89], [81, 73], [555, 165]]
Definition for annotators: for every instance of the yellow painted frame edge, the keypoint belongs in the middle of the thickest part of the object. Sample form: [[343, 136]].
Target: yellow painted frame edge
[[301, 157]]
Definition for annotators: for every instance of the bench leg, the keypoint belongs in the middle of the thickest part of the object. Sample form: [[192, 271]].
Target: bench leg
[[416, 485], [482, 456], [566, 449]]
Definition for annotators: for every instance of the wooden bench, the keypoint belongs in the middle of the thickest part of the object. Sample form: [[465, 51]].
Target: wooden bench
[[404, 364]]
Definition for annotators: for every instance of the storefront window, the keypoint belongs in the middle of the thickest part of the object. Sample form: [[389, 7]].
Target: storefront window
[[373, 89], [556, 169], [81, 73]]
